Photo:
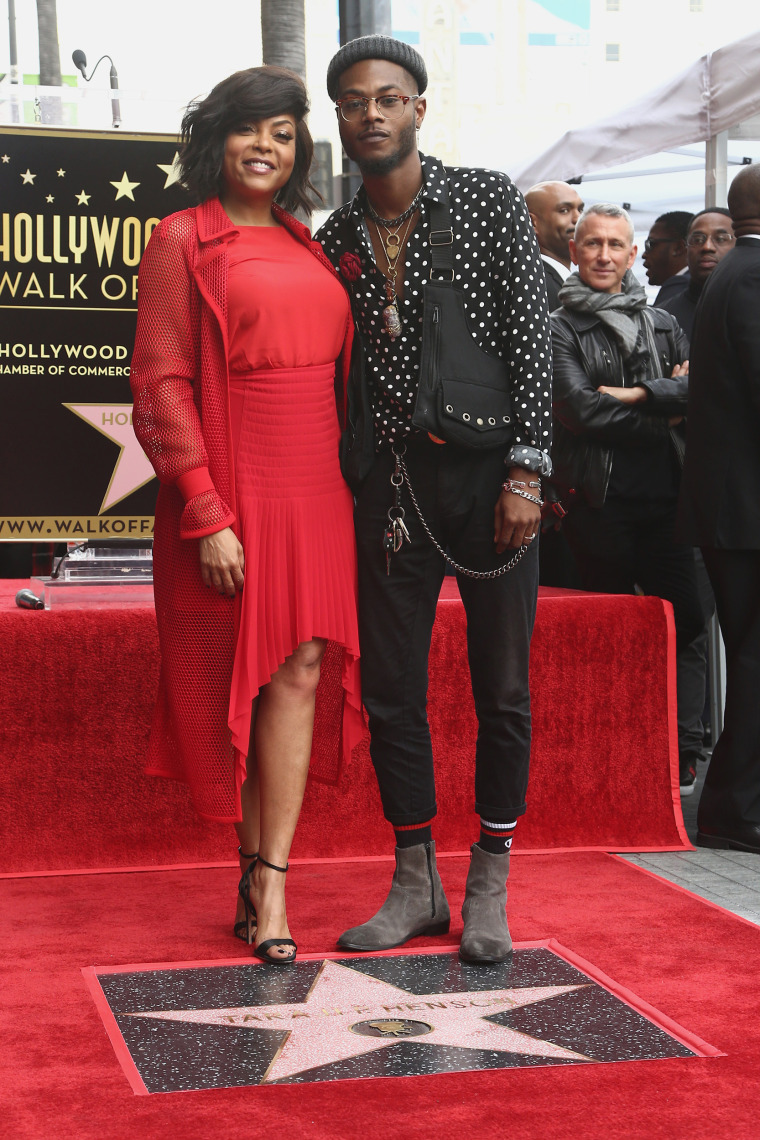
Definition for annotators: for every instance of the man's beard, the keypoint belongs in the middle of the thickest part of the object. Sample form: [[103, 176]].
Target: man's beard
[[379, 167]]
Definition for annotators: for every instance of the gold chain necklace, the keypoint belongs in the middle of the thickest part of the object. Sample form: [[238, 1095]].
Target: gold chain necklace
[[392, 248]]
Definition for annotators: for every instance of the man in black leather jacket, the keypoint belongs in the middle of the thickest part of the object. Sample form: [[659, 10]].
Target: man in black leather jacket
[[620, 393]]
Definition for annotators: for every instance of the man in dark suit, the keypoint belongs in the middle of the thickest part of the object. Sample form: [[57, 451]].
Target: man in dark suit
[[554, 209], [664, 255], [708, 239], [721, 511]]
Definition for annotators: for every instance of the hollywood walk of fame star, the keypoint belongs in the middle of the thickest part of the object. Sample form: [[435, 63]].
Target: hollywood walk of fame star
[[82, 198], [132, 469], [28, 178], [172, 171], [343, 1004], [124, 187]]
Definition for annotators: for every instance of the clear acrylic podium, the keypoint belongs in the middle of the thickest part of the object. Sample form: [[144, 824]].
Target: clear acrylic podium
[[104, 574]]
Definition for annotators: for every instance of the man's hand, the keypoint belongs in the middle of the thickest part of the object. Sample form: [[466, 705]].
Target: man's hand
[[637, 395], [680, 370], [222, 561], [516, 520]]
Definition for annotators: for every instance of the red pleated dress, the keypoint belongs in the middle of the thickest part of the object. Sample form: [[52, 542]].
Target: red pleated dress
[[286, 323]]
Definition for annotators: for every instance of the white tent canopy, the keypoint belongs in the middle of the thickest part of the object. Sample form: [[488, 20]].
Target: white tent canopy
[[714, 94]]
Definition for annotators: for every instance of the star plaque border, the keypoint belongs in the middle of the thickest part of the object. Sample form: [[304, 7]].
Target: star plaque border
[[191, 1026]]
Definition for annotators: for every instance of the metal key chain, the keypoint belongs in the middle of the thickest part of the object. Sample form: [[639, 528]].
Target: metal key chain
[[400, 476], [395, 532]]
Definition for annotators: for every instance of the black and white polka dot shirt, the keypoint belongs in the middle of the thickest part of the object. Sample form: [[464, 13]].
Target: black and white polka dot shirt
[[498, 267]]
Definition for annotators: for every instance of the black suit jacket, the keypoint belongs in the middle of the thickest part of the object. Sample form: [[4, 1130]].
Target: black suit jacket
[[720, 488], [554, 283], [671, 288]]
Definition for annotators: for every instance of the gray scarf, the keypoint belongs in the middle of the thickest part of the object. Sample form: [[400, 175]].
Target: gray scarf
[[624, 314]]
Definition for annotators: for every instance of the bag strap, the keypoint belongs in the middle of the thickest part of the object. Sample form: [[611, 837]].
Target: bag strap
[[441, 242]]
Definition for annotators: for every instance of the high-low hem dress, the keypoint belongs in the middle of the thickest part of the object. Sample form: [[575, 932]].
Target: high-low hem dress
[[286, 320]]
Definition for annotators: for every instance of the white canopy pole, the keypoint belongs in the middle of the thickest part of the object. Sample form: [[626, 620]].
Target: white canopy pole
[[716, 167]]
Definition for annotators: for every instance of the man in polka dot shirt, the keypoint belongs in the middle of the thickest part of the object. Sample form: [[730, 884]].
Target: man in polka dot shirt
[[481, 504]]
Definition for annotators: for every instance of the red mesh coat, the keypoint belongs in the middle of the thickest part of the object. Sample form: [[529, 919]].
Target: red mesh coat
[[181, 417]]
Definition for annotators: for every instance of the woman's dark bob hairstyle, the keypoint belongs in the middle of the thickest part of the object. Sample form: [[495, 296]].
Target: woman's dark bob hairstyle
[[246, 96]]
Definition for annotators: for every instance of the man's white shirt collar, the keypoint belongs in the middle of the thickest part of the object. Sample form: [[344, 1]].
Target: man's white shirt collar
[[563, 270]]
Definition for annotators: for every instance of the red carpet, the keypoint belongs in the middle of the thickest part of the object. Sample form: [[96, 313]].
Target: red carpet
[[693, 962], [77, 692]]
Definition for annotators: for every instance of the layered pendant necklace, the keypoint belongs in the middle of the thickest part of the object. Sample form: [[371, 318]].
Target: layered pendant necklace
[[393, 244]]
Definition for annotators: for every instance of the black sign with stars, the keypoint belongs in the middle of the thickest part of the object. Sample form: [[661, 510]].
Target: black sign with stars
[[348, 1018], [77, 211]]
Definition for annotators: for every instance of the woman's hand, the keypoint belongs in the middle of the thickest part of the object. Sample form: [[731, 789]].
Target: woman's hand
[[222, 561]]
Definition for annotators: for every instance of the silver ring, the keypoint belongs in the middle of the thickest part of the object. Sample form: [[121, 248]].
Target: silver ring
[[528, 537]]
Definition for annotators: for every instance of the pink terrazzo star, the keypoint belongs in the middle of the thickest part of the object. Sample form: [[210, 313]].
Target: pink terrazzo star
[[330, 1024]]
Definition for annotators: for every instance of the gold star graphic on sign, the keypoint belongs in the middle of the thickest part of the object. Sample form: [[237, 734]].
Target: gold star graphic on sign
[[61, 173], [50, 198], [124, 188], [28, 177], [82, 198], [132, 469], [6, 158], [171, 172]]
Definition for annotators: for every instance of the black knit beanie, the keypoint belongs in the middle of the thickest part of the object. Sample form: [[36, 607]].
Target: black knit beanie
[[376, 47]]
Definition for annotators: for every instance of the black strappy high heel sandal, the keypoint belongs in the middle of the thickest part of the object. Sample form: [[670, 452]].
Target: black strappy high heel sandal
[[242, 929], [260, 951]]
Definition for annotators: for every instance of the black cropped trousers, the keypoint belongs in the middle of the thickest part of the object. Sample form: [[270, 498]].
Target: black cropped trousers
[[457, 490]]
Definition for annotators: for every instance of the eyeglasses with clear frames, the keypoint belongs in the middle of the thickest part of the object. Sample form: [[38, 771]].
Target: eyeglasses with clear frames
[[355, 107], [721, 237]]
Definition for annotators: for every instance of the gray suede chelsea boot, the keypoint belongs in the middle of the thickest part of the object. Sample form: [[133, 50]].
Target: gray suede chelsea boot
[[415, 905], [486, 935]]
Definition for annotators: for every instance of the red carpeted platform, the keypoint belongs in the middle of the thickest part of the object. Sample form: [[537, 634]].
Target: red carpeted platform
[[75, 703], [690, 960]]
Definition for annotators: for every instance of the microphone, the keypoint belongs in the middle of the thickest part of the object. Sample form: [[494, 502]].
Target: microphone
[[28, 600], [79, 60], [115, 107]]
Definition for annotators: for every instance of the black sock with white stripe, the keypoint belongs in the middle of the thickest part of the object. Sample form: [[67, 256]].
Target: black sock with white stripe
[[496, 837]]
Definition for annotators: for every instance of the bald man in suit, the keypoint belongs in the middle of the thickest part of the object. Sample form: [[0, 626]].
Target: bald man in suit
[[721, 510], [554, 209]]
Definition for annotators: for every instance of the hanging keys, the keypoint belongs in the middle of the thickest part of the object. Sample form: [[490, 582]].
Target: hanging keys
[[399, 530], [396, 531], [388, 543]]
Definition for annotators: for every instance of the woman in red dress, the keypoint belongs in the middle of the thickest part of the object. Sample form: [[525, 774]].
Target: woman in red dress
[[241, 320]]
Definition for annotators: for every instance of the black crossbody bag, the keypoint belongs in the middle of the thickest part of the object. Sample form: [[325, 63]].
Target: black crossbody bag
[[463, 392]]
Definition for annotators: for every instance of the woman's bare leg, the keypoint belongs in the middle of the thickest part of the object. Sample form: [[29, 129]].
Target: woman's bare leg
[[284, 729], [248, 829]]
